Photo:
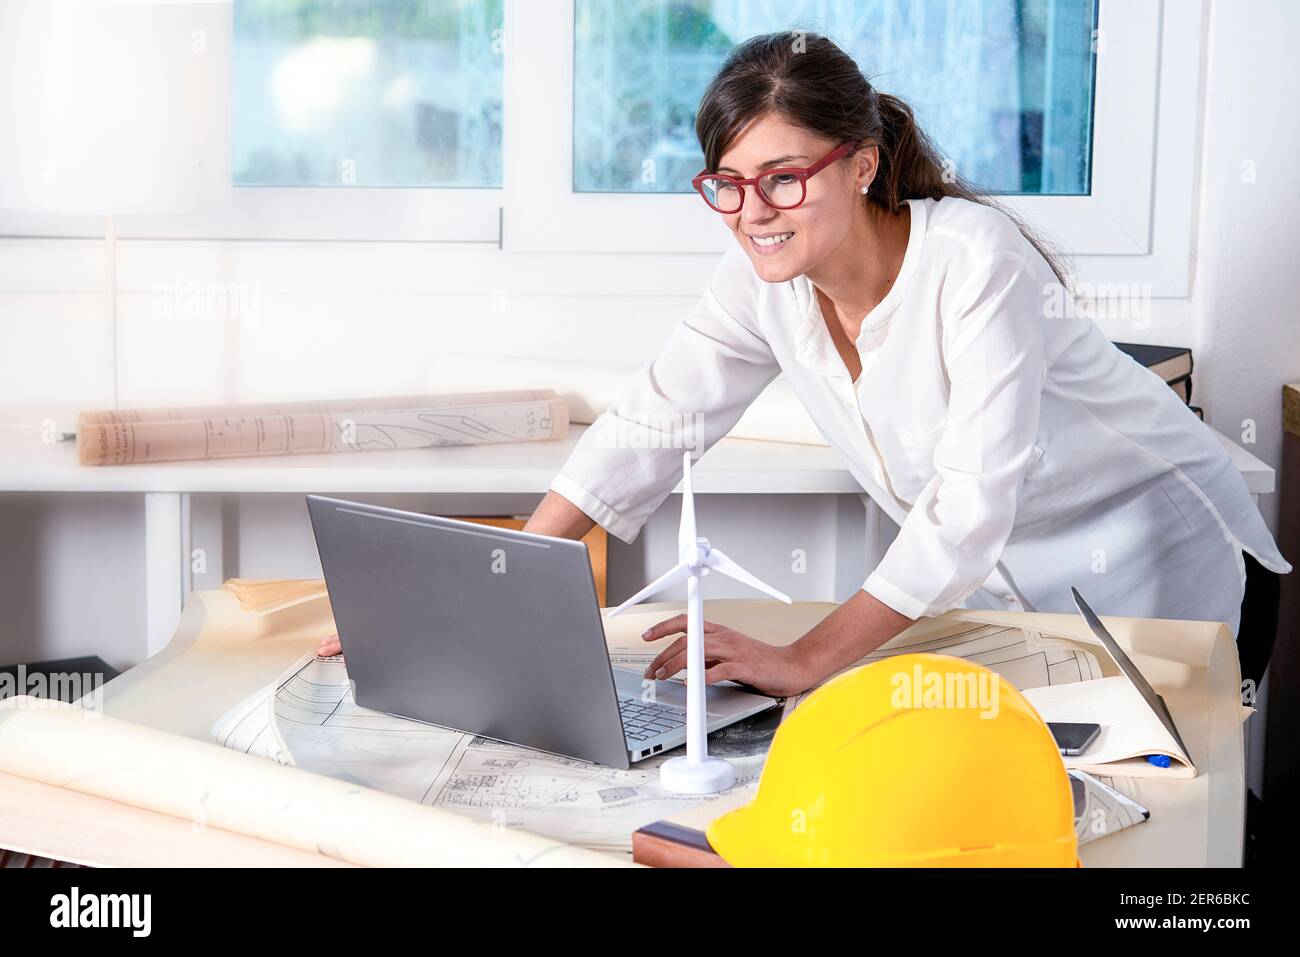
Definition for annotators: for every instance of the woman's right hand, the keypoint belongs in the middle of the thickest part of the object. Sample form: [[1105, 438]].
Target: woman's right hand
[[329, 646]]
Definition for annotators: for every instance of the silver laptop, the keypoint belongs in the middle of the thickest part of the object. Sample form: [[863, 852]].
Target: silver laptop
[[494, 632]]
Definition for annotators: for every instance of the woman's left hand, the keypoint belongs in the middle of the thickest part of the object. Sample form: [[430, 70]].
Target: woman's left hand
[[730, 655]]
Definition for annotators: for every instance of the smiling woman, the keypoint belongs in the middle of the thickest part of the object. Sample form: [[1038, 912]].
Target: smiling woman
[[1018, 450], [780, 75]]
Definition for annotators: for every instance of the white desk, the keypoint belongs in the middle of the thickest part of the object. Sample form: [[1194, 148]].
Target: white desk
[[1194, 822], [733, 466]]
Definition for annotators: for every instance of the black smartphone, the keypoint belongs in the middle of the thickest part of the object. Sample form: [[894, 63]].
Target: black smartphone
[[1073, 738]]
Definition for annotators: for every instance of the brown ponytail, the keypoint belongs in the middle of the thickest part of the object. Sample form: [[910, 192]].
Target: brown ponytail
[[808, 80]]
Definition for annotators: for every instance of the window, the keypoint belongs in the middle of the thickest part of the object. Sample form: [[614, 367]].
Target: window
[[1003, 87], [385, 120], [1073, 133], [378, 93], [368, 120]]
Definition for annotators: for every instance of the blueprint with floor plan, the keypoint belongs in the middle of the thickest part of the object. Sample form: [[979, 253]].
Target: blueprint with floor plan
[[308, 719], [1025, 658]]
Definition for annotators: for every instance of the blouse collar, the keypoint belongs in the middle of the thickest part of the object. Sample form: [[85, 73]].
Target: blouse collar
[[814, 346]]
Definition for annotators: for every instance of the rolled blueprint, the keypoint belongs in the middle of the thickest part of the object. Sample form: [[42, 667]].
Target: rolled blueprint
[[369, 404], [350, 425], [76, 748], [589, 388]]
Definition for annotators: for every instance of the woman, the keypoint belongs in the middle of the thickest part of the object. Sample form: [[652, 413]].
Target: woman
[[1019, 451], [930, 338]]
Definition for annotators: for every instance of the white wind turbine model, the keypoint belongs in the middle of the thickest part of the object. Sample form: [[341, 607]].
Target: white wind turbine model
[[696, 773]]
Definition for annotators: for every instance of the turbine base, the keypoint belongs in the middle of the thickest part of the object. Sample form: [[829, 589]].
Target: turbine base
[[684, 776]]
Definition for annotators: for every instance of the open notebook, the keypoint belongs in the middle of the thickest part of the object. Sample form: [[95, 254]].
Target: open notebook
[[1135, 722], [1130, 730]]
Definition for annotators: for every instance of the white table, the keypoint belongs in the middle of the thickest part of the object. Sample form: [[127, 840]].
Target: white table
[[1194, 822], [733, 466]]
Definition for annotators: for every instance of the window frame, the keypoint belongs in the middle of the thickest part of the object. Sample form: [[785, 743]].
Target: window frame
[[343, 212], [1137, 225], [1145, 129], [303, 213]]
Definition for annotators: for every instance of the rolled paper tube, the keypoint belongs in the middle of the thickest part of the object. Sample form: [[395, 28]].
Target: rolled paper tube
[[357, 430], [590, 388], [76, 748]]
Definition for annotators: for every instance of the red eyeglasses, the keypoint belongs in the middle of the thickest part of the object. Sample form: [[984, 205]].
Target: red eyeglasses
[[782, 188]]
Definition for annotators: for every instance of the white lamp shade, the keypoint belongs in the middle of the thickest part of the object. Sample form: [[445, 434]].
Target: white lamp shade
[[115, 106]]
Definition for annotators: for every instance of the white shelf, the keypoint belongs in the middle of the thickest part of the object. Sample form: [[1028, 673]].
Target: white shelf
[[732, 466]]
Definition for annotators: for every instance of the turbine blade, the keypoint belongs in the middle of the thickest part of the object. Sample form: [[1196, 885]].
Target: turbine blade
[[686, 530], [720, 562], [678, 573]]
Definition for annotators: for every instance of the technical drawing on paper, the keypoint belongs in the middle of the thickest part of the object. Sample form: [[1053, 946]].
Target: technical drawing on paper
[[1025, 658], [308, 719]]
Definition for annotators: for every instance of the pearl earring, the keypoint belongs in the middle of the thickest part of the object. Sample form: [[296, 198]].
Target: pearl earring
[[865, 189]]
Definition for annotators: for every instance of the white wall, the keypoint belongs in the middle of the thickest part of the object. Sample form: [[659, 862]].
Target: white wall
[[1246, 300]]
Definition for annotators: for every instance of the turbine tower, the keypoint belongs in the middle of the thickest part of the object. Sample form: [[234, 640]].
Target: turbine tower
[[696, 773]]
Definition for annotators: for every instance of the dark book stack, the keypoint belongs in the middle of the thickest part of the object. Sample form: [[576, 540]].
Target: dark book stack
[[1171, 363]]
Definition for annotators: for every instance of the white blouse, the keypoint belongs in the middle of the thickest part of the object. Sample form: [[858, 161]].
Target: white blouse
[[1019, 451]]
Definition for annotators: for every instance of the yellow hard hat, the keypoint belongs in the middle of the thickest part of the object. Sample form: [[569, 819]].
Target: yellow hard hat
[[918, 760]]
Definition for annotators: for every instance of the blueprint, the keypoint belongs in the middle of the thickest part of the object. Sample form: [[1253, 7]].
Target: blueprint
[[1025, 658], [357, 425], [309, 720]]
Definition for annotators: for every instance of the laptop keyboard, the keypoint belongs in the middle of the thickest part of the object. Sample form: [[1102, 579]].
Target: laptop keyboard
[[643, 721]]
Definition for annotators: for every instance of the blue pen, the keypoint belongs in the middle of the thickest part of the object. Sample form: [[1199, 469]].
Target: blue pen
[[1159, 760]]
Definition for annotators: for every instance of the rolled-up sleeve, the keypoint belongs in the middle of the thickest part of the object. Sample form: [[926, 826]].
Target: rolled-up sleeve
[[714, 364], [956, 530]]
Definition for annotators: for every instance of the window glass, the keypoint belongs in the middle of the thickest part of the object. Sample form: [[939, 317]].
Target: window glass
[[1003, 87], [373, 93]]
